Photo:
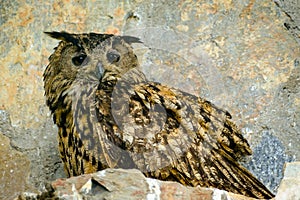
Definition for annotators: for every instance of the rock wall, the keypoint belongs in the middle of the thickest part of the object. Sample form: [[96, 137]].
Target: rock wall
[[242, 55]]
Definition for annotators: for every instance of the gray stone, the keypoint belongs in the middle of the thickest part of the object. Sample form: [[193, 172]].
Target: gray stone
[[268, 159], [292, 9], [289, 186]]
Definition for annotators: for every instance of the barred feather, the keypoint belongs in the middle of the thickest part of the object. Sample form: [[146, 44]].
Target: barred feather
[[110, 116]]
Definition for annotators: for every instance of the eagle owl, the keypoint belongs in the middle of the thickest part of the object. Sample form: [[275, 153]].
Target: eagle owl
[[110, 116]]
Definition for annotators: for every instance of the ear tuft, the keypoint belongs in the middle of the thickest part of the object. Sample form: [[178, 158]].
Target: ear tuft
[[131, 39], [64, 36]]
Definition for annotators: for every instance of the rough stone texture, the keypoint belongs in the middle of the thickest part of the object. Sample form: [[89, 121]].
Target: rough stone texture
[[113, 184], [14, 169], [132, 184], [291, 8], [241, 54], [289, 186]]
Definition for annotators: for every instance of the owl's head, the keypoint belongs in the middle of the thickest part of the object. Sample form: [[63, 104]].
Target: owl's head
[[90, 55], [86, 59]]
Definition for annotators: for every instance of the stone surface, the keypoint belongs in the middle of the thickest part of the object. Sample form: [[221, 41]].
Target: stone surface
[[242, 55], [290, 184], [14, 169], [113, 184], [291, 8]]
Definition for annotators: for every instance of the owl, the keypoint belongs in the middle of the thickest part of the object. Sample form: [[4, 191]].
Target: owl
[[110, 116]]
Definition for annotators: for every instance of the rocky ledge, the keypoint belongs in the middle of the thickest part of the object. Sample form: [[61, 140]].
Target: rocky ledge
[[132, 184]]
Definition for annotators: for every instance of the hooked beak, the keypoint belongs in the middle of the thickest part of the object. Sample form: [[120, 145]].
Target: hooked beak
[[99, 70]]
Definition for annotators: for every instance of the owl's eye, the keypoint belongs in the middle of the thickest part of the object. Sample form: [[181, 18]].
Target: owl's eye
[[78, 60], [113, 56]]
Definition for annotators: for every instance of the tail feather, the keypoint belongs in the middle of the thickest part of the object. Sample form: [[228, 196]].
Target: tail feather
[[239, 178]]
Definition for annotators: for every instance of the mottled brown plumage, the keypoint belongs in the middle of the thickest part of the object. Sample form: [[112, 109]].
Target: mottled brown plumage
[[110, 116]]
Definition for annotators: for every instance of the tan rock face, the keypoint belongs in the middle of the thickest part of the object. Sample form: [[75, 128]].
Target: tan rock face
[[238, 54], [14, 170]]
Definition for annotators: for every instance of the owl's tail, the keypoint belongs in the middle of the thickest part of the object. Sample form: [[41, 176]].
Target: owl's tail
[[215, 168], [233, 177]]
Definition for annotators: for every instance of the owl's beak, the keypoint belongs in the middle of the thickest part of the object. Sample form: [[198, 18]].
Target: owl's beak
[[99, 70]]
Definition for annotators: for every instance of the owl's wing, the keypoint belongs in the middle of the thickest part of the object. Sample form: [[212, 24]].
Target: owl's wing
[[172, 135], [190, 117]]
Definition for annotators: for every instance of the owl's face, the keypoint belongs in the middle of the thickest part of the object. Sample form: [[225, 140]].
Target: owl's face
[[91, 57]]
